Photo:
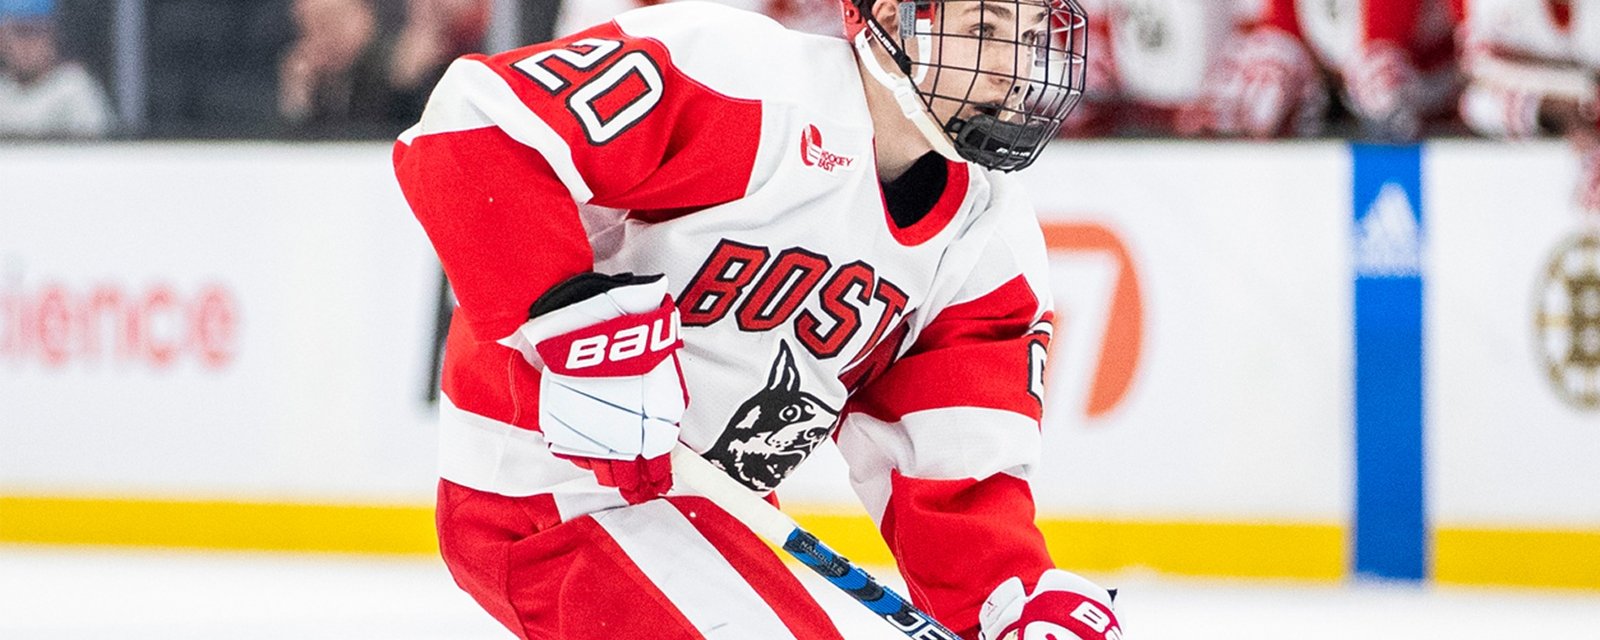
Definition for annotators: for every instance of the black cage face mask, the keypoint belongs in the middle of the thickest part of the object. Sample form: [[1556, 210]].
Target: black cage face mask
[[1000, 76]]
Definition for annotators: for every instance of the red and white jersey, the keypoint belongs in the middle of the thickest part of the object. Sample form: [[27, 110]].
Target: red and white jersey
[[1339, 32], [736, 157], [1151, 58], [1394, 58], [814, 16], [1164, 48], [1519, 53]]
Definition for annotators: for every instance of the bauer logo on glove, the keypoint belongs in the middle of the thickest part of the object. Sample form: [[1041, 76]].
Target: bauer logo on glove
[[627, 346]]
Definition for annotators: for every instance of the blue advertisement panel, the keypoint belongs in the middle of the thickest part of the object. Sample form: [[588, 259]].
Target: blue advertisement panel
[[1390, 523]]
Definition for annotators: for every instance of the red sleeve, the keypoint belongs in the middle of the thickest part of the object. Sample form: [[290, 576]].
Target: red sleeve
[[934, 528], [1408, 25], [1397, 22], [483, 198], [964, 403], [1281, 14], [1389, 20], [1394, 21], [973, 354], [511, 143]]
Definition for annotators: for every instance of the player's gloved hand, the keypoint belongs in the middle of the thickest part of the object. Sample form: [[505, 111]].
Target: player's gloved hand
[[1384, 90], [611, 393], [1063, 606]]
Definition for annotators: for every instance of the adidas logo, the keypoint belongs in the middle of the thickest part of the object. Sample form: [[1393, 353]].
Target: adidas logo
[[1388, 241]]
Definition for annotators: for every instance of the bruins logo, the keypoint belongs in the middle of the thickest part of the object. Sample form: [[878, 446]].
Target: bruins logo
[[1567, 320]]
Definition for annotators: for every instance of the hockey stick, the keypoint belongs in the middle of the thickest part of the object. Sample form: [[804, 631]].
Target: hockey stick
[[695, 473]]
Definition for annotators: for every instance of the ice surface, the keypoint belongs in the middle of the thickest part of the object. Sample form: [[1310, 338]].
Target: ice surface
[[52, 593]]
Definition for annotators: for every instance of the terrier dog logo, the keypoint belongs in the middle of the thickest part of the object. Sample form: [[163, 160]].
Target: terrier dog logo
[[772, 432]]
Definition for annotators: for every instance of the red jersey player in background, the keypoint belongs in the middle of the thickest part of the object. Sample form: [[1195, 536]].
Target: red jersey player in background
[[1151, 62], [1532, 68], [794, 237], [1390, 63]]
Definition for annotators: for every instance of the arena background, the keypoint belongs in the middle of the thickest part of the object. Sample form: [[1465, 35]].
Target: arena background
[[215, 337]]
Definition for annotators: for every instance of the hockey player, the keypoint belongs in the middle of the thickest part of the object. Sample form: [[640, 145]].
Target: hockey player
[[1532, 69], [1392, 63], [812, 238], [1151, 62]]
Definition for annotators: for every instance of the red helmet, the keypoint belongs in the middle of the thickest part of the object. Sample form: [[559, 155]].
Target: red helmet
[[1046, 83]]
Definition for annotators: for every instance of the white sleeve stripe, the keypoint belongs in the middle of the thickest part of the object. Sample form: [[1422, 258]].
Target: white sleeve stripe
[[485, 454], [958, 442], [472, 96], [936, 444], [488, 455]]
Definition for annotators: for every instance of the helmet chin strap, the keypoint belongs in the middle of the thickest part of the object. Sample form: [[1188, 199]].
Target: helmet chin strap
[[906, 96]]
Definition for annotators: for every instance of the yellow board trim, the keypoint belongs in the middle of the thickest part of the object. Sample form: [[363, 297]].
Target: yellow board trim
[[1248, 550], [218, 525], [1253, 550], [1090, 545], [1517, 557], [1304, 551]]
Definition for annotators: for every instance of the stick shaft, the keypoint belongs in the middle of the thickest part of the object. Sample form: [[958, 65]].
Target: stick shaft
[[767, 521]]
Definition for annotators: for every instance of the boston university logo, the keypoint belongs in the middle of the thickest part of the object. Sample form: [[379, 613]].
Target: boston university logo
[[812, 153], [774, 430]]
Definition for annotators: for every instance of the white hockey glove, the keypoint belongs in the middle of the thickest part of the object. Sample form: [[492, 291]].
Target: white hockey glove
[[1063, 606], [1384, 90], [611, 392]]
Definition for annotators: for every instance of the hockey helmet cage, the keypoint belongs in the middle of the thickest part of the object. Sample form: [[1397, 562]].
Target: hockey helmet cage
[[1043, 62]]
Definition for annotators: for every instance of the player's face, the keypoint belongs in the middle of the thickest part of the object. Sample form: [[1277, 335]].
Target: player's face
[[26, 47], [979, 51]]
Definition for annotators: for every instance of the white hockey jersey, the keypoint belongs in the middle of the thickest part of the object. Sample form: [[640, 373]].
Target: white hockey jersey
[[1395, 58], [1520, 52], [1164, 48], [736, 157], [1151, 59], [1340, 32]]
